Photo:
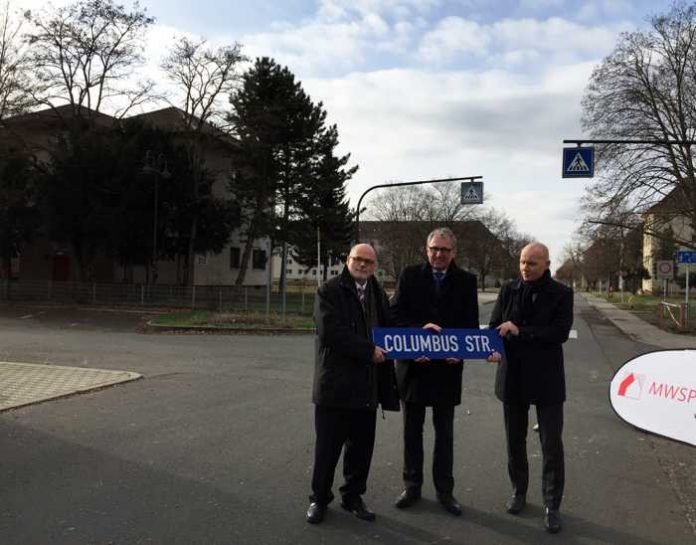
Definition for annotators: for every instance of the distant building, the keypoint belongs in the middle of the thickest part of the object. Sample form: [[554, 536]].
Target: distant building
[[46, 259], [667, 216], [402, 243]]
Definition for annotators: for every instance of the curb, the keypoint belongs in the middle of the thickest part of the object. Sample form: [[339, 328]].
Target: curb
[[201, 329]]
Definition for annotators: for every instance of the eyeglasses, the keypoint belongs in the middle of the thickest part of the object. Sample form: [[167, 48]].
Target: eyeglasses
[[364, 261], [435, 249]]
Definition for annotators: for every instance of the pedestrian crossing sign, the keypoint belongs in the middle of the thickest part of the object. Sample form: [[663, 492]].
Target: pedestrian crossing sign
[[578, 162], [472, 192]]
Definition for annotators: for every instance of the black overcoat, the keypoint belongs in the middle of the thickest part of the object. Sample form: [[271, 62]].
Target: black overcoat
[[533, 370], [344, 375], [416, 303]]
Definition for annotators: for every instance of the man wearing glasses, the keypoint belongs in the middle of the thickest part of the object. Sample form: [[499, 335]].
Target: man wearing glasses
[[351, 377], [433, 295]]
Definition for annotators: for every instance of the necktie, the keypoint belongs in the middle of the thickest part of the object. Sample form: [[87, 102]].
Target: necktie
[[361, 295], [439, 278]]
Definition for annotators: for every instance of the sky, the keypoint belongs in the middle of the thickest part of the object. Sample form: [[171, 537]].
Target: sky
[[427, 89]]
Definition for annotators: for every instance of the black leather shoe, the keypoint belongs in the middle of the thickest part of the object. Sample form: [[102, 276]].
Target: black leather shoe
[[552, 521], [407, 498], [359, 509], [451, 504], [316, 512], [515, 504]]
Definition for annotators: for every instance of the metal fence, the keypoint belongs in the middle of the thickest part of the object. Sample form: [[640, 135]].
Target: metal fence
[[221, 298]]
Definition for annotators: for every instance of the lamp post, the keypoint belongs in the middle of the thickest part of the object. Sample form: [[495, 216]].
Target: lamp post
[[158, 167], [402, 184]]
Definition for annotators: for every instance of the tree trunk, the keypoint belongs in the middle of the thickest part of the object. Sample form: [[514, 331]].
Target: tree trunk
[[244, 263], [190, 254]]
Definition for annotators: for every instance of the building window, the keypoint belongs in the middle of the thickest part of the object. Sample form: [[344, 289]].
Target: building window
[[258, 259], [289, 271], [202, 259], [234, 258]]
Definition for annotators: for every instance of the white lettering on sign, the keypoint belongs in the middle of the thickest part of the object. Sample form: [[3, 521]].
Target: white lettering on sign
[[422, 343]]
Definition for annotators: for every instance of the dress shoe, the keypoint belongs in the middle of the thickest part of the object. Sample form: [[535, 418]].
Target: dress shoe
[[552, 521], [359, 509], [316, 512], [451, 504], [515, 504], [407, 498]]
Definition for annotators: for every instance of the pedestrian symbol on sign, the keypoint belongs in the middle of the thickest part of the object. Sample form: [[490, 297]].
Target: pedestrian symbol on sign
[[578, 162], [472, 192]]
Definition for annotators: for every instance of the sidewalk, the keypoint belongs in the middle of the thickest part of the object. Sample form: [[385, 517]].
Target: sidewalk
[[28, 383], [638, 329]]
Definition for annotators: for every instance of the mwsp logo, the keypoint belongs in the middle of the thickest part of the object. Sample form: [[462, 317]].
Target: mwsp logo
[[632, 386]]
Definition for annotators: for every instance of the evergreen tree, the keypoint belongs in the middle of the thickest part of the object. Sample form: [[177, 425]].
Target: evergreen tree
[[285, 151], [324, 206]]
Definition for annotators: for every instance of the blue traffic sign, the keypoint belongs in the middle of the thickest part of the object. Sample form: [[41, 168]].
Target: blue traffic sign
[[578, 162], [687, 256]]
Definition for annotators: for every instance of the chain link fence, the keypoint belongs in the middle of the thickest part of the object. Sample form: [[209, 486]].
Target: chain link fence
[[222, 298]]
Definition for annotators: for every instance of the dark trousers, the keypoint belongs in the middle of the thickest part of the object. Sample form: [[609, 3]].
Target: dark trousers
[[550, 419], [352, 430], [443, 422]]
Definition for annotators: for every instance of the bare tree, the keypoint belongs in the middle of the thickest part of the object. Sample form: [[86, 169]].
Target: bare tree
[[571, 269], [488, 242], [646, 90], [86, 53], [403, 216], [439, 203], [14, 66], [202, 76]]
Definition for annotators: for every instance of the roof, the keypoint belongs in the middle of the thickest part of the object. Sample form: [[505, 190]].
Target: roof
[[176, 120]]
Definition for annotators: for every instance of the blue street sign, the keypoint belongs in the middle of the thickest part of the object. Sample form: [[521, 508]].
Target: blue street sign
[[578, 162], [412, 343], [687, 256]]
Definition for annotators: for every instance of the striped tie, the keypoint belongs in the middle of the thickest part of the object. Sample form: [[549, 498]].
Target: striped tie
[[361, 294]]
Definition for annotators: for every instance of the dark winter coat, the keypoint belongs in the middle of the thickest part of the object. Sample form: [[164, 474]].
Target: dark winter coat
[[344, 374], [416, 303], [533, 370]]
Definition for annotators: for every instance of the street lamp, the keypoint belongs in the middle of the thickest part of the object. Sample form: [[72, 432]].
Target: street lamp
[[402, 184], [159, 168]]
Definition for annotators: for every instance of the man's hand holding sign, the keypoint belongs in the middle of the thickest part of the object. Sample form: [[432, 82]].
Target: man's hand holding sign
[[505, 330]]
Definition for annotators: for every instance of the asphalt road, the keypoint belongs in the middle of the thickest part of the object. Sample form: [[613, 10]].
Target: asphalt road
[[214, 446]]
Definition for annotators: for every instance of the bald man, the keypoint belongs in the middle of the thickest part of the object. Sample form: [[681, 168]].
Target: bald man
[[533, 315], [351, 377]]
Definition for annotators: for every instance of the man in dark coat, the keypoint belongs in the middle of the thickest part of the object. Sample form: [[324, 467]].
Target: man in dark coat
[[434, 295], [351, 377], [534, 315]]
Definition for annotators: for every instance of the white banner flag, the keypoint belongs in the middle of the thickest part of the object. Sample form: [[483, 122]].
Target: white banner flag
[[657, 393]]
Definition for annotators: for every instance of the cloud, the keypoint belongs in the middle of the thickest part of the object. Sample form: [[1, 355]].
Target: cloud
[[333, 10], [513, 41], [410, 124]]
